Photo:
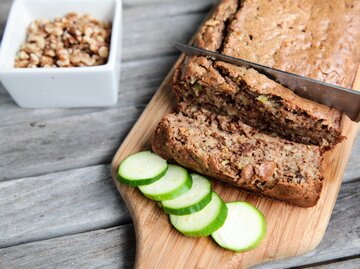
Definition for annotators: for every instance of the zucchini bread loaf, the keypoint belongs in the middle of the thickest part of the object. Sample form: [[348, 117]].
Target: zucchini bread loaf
[[227, 149], [239, 126], [317, 39]]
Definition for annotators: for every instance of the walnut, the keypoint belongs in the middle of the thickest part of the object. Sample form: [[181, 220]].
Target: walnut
[[34, 59], [265, 169], [53, 29], [38, 39], [22, 63], [72, 40], [75, 57], [98, 60], [88, 31], [30, 48], [103, 52], [23, 55], [49, 52], [247, 172], [46, 61], [87, 60]]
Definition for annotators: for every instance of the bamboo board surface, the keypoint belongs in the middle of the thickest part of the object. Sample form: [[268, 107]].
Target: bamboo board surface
[[291, 231]]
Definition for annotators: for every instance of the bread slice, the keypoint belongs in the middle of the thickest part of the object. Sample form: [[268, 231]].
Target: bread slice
[[258, 101], [227, 149]]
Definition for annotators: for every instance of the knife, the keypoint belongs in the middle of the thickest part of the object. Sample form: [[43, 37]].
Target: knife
[[343, 99]]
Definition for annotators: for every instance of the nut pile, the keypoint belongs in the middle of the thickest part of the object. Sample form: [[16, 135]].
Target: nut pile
[[70, 41]]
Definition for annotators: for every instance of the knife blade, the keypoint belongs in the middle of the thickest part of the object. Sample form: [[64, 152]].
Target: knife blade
[[342, 99]]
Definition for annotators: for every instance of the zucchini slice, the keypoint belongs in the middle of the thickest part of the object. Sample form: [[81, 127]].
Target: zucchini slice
[[191, 201], [174, 183], [244, 228], [141, 168], [204, 222]]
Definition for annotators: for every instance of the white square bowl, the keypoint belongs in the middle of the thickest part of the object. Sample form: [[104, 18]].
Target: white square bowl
[[60, 87]]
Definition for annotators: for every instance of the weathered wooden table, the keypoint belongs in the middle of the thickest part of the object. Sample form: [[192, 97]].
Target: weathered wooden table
[[58, 205]]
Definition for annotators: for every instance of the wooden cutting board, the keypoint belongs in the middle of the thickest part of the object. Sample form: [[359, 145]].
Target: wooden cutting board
[[291, 230]]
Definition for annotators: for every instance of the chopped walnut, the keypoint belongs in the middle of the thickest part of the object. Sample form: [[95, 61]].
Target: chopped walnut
[[265, 169], [247, 172], [70, 41], [23, 55], [46, 61], [103, 52]]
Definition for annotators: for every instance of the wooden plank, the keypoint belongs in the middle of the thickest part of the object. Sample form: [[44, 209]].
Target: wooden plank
[[4, 11], [352, 171], [151, 28], [136, 11], [58, 204], [101, 247], [109, 248], [348, 264], [159, 3], [153, 8], [148, 38], [65, 143]]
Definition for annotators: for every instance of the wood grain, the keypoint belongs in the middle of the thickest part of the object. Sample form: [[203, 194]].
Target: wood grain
[[348, 264], [157, 2], [352, 171], [59, 204], [65, 136], [160, 246], [109, 248], [151, 11], [158, 34], [4, 11], [340, 240]]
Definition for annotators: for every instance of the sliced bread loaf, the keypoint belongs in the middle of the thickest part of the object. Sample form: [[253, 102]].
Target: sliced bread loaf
[[257, 101], [227, 149]]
